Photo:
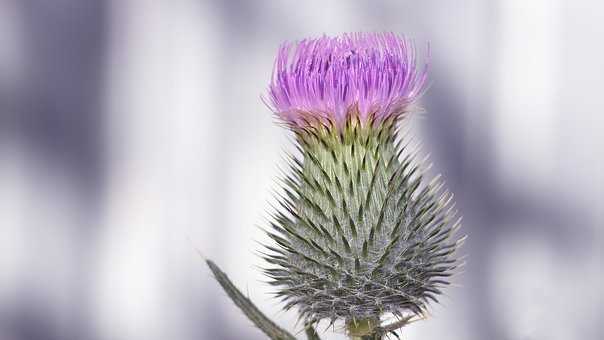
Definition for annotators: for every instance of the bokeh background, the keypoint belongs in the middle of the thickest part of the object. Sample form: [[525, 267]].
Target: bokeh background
[[132, 139]]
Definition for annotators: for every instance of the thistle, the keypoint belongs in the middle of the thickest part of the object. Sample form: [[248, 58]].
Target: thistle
[[360, 233]]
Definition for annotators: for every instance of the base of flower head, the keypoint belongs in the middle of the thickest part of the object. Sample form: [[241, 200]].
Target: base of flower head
[[353, 128]]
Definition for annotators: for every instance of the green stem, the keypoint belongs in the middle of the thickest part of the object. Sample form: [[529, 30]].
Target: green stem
[[366, 329], [367, 337]]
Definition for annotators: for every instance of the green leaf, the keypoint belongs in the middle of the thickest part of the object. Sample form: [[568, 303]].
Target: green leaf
[[269, 328]]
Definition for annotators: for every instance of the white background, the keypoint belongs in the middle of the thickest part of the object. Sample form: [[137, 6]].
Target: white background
[[133, 137]]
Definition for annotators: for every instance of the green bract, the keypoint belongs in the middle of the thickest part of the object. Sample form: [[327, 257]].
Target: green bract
[[360, 231]]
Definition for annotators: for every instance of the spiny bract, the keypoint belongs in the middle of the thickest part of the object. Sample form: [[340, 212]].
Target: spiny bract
[[360, 231]]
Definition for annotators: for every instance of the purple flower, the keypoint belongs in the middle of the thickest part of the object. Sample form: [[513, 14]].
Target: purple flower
[[329, 79]]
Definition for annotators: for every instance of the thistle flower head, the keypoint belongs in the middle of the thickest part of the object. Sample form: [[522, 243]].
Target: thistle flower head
[[361, 231], [327, 79]]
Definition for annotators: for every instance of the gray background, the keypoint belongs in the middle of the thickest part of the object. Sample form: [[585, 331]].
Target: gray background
[[132, 137]]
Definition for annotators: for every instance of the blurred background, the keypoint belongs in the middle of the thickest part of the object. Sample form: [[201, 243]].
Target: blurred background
[[132, 137]]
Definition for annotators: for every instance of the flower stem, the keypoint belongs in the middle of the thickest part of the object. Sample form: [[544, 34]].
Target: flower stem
[[367, 337], [366, 329]]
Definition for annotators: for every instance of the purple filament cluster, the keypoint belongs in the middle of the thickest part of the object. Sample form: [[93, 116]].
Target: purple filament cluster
[[327, 79]]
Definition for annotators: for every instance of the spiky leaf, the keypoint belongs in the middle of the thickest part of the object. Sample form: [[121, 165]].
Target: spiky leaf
[[269, 328]]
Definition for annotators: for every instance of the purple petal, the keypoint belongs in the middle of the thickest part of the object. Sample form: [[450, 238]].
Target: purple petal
[[327, 76]]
